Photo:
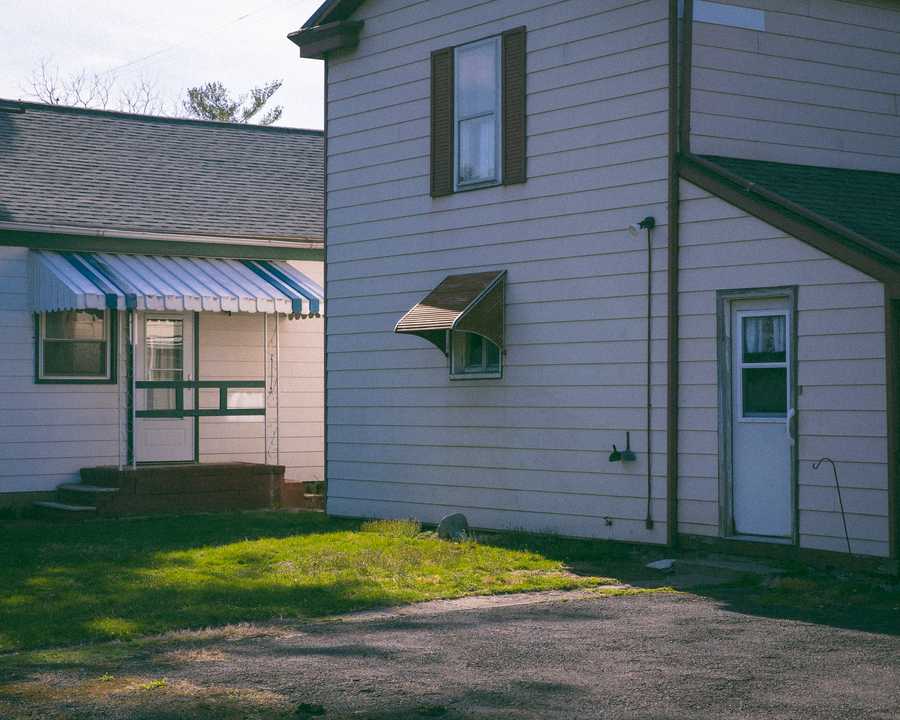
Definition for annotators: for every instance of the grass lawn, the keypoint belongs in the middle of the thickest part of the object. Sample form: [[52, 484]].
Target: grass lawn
[[122, 579]]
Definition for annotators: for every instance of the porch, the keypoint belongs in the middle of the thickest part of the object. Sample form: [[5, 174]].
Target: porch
[[213, 368]]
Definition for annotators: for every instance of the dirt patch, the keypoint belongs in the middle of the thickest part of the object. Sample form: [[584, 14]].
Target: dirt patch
[[560, 654]]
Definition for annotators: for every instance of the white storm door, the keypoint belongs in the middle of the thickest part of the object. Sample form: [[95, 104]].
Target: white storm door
[[761, 473], [165, 351]]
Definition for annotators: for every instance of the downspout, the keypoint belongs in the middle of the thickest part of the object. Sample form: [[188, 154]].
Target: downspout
[[648, 224], [673, 223]]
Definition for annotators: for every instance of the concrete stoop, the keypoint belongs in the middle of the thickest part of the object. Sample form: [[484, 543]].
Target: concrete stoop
[[110, 491]]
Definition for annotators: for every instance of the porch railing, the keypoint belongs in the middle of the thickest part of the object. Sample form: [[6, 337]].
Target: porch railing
[[179, 386]]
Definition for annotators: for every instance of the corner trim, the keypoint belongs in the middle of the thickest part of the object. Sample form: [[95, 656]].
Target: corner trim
[[685, 62], [673, 221], [892, 359]]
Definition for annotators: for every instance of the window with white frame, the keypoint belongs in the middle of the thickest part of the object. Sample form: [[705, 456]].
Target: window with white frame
[[477, 113], [472, 355], [74, 345], [763, 364]]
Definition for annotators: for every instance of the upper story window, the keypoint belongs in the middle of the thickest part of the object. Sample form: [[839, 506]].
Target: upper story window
[[75, 345], [478, 114], [477, 107]]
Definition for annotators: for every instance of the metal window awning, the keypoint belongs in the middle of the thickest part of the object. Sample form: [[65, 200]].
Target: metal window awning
[[83, 280], [468, 303]]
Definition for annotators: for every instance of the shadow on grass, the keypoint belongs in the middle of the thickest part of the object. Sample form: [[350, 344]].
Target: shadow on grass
[[132, 578], [838, 599], [125, 579], [120, 578]]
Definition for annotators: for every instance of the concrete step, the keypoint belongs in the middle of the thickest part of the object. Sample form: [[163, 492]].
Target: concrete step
[[85, 495], [303, 495], [50, 510], [313, 501]]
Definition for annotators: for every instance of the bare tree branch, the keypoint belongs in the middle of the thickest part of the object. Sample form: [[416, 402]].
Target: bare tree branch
[[44, 83], [143, 97]]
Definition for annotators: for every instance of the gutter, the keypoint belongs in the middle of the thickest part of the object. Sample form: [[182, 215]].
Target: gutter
[[303, 242]]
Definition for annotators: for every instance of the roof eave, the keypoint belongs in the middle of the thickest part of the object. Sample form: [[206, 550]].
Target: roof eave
[[832, 238], [315, 42], [332, 10]]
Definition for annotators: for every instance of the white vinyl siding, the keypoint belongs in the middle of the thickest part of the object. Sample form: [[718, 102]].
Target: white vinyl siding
[[47, 432], [529, 450], [819, 86], [840, 373]]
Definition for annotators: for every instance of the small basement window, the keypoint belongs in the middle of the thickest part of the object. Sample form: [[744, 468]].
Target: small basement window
[[473, 356], [75, 345], [463, 317]]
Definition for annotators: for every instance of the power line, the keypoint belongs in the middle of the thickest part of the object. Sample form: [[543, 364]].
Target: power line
[[203, 33]]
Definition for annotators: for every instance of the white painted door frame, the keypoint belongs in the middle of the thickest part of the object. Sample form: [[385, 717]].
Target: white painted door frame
[[754, 505], [164, 439]]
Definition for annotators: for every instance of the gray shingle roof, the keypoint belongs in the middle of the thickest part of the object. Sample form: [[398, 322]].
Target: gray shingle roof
[[863, 201], [118, 171]]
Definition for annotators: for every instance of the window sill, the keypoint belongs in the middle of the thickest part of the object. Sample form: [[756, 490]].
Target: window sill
[[476, 186], [75, 381], [477, 376]]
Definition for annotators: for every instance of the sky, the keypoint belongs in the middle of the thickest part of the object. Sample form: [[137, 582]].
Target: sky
[[175, 44]]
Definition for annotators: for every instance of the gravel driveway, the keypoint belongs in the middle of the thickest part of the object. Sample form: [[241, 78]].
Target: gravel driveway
[[554, 655]]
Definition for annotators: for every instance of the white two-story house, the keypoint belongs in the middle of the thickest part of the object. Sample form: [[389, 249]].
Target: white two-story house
[[618, 269]]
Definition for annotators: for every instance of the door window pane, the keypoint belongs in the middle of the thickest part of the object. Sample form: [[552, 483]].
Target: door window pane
[[764, 339], [477, 150], [163, 359], [764, 392]]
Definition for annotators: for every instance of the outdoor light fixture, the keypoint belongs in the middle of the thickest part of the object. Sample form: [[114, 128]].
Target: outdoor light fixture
[[648, 223]]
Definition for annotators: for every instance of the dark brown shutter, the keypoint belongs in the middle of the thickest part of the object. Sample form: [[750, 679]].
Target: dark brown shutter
[[514, 140], [442, 122]]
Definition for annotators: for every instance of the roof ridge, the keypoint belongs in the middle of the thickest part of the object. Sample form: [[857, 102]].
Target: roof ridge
[[8, 104]]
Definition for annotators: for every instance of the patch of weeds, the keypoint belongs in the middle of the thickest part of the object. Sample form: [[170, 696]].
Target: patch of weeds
[[625, 591], [393, 528], [157, 684], [106, 677]]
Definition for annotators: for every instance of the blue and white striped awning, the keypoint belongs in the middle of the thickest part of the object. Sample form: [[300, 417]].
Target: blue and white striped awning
[[82, 280]]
